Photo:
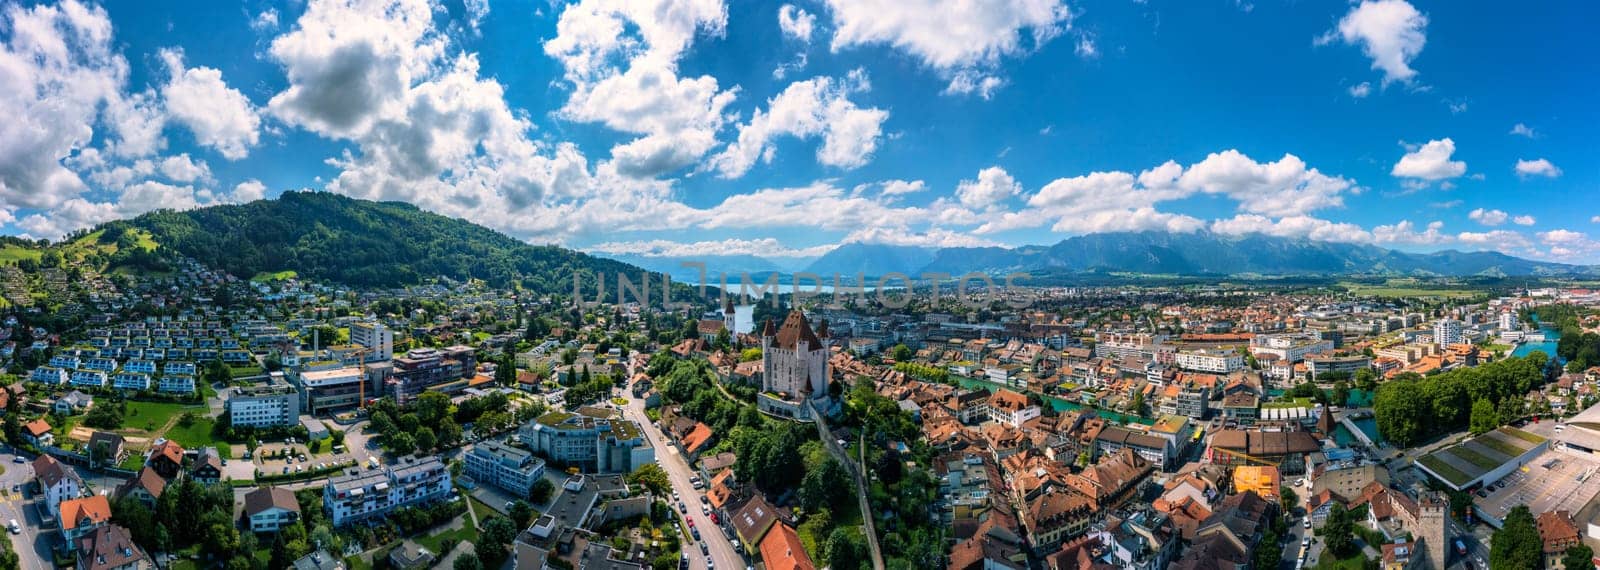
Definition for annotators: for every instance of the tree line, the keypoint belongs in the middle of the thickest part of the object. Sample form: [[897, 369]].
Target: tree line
[[1411, 408]]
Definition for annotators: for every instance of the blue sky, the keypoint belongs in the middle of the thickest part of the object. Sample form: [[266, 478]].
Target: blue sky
[[690, 127]]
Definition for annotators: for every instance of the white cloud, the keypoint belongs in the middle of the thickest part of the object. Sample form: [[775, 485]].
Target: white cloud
[[219, 116], [764, 247], [350, 61], [1497, 240], [1361, 90], [993, 187], [1562, 236], [963, 41], [58, 68], [1430, 162], [1405, 233], [1488, 217], [1537, 167], [621, 59], [1085, 47], [1300, 227], [138, 120], [477, 10], [900, 187], [1390, 32], [266, 21], [805, 109], [932, 237], [1285, 187], [248, 191], [181, 168], [1523, 130], [796, 23], [1524, 220], [1594, 220]]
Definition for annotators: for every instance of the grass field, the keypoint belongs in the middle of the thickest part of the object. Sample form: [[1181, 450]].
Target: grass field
[[13, 253], [152, 415], [198, 434], [274, 276], [1395, 291]]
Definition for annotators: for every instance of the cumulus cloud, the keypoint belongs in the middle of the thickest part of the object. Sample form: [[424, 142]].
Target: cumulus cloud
[[1524, 220], [1390, 32], [247, 191], [1361, 90], [1488, 217], [806, 109], [58, 67], [621, 59], [266, 21], [796, 23], [182, 168], [1537, 167], [993, 187], [1430, 162], [1301, 227], [1522, 130], [1406, 233], [901, 187], [1284, 187], [964, 42]]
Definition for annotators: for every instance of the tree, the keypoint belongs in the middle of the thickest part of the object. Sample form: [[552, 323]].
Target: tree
[[652, 477], [542, 489], [1287, 500], [901, 353], [505, 372], [845, 550], [1484, 418], [496, 535], [466, 561], [1580, 556], [1367, 379], [1338, 533], [425, 440], [1517, 543], [449, 433], [402, 443], [521, 513], [828, 486]]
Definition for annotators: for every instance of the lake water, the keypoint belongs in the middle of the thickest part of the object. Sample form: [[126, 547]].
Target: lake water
[[1551, 337]]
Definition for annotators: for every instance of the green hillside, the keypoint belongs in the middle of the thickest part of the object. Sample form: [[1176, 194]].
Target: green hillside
[[318, 235]]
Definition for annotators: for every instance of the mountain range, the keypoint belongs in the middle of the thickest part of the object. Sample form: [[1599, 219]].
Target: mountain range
[[1187, 254]]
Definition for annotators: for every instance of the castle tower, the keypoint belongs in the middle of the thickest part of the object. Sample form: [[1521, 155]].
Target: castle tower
[[1433, 507], [728, 317]]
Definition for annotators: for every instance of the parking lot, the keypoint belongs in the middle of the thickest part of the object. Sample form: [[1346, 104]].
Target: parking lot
[[278, 458], [1548, 483]]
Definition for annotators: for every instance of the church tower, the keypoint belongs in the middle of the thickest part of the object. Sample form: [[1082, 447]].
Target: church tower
[[729, 318]]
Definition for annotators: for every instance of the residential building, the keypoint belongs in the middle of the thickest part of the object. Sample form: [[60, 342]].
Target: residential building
[[130, 381], [1447, 332], [82, 516], [442, 369], [376, 338], [269, 508], [110, 547], [176, 384], [272, 405], [1213, 361], [58, 483], [1290, 348], [494, 463], [360, 495], [1153, 449], [781, 550], [1011, 408], [89, 379], [1557, 533], [72, 403], [333, 389], [593, 439]]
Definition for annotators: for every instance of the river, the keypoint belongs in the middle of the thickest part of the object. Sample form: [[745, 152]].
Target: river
[[1551, 337]]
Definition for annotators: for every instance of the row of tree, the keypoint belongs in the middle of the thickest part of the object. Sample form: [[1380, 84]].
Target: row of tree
[[1411, 408]]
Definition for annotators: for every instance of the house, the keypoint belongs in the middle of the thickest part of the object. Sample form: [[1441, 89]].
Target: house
[[145, 487], [752, 521], [105, 448], [110, 547], [319, 560], [1401, 555], [207, 466], [1558, 533], [37, 432], [80, 517], [410, 556], [266, 509], [781, 550], [57, 482], [72, 403], [166, 458]]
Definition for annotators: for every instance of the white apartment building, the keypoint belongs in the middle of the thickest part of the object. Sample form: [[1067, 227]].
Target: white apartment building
[[363, 494], [503, 466], [1213, 361], [1447, 332], [1289, 347], [1508, 321], [376, 338], [264, 406]]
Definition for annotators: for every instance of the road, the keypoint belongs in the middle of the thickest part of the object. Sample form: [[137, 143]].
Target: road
[[33, 545], [678, 471]]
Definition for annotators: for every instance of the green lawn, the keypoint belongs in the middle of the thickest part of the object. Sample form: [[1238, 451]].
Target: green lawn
[[1354, 562], [1444, 469], [1490, 442], [244, 371], [1399, 290], [467, 533], [13, 253], [198, 434], [1472, 456], [153, 415]]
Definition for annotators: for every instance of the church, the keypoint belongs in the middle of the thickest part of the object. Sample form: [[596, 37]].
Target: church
[[795, 369]]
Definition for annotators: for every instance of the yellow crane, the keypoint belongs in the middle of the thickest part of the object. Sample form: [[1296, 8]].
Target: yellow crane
[[1244, 456]]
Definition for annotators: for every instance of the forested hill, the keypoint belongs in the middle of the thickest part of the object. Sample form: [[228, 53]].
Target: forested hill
[[326, 236]]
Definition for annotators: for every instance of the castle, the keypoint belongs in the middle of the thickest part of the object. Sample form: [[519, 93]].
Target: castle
[[795, 368]]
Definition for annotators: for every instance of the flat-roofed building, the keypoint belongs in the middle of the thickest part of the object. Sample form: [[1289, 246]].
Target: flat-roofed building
[[503, 466], [364, 494], [273, 405], [332, 389]]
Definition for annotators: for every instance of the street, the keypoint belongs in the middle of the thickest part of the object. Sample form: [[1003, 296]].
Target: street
[[678, 471], [33, 552]]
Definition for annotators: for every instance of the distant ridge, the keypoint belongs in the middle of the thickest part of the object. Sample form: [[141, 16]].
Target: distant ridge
[[1195, 254]]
